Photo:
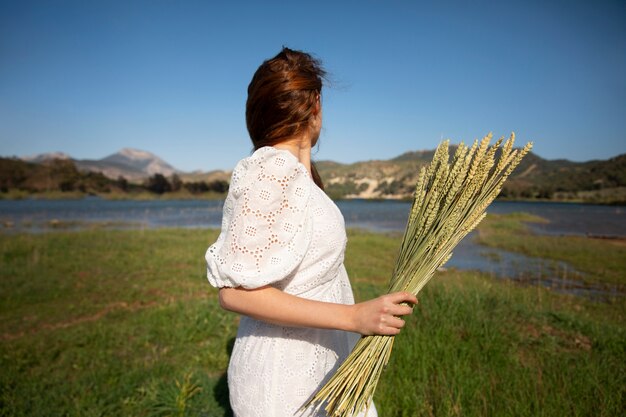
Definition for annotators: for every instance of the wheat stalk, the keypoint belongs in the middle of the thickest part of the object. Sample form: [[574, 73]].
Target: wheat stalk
[[450, 200]]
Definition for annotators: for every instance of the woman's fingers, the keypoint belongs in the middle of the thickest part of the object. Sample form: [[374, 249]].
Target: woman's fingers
[[403, 297], [392, 321], [396, 304], [391, 326], [382, 315], [400, 310], [389, 331]]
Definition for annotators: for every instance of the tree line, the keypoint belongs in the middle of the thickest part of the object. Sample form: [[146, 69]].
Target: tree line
[[159, 184], [63, 175]]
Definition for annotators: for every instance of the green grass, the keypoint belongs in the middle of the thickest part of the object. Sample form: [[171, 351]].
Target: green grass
[[106, 322], [485, 348]]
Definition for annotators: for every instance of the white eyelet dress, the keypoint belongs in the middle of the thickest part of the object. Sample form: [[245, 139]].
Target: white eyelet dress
[[280, 229]]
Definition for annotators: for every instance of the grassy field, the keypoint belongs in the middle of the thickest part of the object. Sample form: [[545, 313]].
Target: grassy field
[[107, 323]]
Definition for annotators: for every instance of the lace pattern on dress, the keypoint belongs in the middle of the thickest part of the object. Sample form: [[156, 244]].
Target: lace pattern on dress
[[265, 228]]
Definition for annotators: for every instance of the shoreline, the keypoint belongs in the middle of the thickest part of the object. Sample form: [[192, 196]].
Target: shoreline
[[52, 196]]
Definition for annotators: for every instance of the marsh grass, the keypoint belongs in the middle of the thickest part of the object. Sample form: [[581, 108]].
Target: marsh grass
[[108, 322], [502, 350], [602, 260]]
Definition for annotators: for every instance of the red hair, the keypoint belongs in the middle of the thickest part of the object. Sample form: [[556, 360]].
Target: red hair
[[282, 98]]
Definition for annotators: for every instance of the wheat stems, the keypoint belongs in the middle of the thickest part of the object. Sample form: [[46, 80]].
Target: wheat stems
[[450, 200]]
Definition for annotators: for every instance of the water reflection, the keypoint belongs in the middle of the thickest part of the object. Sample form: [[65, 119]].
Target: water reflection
[[559, 276], [39, 215]]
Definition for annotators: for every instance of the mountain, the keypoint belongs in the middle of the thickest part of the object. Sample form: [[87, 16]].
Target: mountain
[[132, 164], [44, 157]]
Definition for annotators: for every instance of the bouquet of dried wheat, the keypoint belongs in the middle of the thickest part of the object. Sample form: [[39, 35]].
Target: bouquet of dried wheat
[[450, 200]]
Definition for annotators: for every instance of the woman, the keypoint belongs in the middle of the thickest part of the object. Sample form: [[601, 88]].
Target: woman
[[279, 258]]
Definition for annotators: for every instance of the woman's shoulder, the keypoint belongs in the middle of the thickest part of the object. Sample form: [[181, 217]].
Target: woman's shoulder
[[268, 164], [273, 158], [266, 227]]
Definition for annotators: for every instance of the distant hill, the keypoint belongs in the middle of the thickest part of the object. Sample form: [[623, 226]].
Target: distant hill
[[210, 176], [44, 157], [128, 162], [54, 177], [601, 181], [132, 164], [50, 175], [535, 177]]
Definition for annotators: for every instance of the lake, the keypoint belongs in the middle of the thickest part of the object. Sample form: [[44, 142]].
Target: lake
[[378, 216]]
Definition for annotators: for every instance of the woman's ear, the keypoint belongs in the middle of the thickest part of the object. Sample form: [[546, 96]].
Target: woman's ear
[[318, 106]]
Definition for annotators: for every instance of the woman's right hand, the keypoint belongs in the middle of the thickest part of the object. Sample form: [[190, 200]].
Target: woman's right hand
[[381, 315]]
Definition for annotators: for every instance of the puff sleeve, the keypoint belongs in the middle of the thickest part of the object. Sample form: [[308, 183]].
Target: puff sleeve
[[266, 227]]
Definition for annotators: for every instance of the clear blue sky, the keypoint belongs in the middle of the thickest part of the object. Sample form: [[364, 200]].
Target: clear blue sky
[[91, 77]]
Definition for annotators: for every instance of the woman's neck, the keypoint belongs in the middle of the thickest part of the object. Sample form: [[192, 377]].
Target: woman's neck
[[301, 149]]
